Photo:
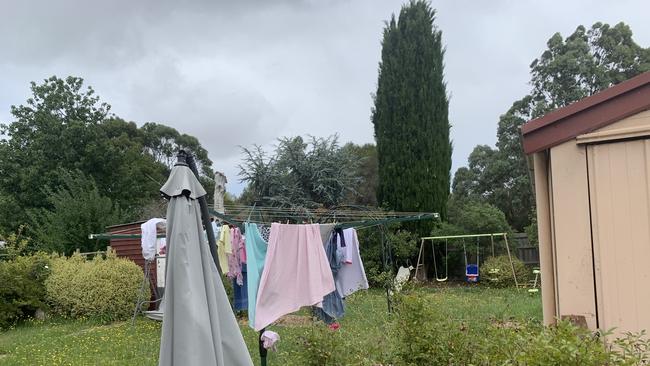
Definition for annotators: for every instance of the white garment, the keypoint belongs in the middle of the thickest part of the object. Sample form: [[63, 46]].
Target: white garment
[[149, 232], [403, 275], [351, 276]]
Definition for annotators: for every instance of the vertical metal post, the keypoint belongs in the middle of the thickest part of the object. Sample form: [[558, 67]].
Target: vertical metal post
[[512, 266], [492, 241], [205, 216], [263, 351], [417, 266], [387, 265]]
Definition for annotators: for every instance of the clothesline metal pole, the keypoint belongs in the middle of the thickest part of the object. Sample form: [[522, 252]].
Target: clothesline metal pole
[[387, 266], [109, 236], [461, 236]]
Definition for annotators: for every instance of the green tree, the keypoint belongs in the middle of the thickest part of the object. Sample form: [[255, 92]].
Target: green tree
[[410, 114], [365, 193], [317, 173], [163, 143], [476, 217], [65, 126], [572, 68], [77, 209]]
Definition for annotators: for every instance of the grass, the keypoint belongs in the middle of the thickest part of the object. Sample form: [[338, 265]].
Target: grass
[[364, 328]]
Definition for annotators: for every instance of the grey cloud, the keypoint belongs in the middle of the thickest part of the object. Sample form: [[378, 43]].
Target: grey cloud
[[246, 72]]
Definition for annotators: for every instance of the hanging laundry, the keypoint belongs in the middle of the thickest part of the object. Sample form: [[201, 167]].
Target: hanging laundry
[[326, 232], [265, 231], [242, 250], [149, 233], [256, 249], [296, 273], [224, 248], [351, 276], [333, 307], [241, 291], [234, 259]]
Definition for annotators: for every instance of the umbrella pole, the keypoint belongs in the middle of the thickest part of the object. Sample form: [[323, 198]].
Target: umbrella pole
[[205, 216]]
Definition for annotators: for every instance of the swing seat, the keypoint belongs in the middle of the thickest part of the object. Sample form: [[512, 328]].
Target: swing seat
[[471, 273]]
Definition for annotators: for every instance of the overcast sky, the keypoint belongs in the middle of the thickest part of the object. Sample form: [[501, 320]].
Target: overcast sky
[[246, 72]]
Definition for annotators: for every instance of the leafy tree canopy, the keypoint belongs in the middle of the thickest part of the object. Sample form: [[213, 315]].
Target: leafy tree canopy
[[365, 193], [65, 127], [299, 174], [571, 68]]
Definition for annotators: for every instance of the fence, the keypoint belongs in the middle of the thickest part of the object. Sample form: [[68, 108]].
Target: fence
[[529, 254]]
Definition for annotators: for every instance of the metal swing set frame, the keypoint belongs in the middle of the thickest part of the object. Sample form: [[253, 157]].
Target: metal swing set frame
[[446, 238]]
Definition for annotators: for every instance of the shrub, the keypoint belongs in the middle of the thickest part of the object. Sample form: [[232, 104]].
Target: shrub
[[423, 335], [404, 247], [497, 272], [106, 289], [22, 288], [322, 347], [75, 209]]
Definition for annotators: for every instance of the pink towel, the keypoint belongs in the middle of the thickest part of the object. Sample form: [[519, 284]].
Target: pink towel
[[296, 273]]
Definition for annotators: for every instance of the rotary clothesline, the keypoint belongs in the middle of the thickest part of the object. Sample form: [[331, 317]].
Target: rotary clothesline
[[344, 221], [358, 217]]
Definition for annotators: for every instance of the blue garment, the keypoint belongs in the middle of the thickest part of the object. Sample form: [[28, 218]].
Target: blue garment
[[241, 292], [255, 256], [333, 306]]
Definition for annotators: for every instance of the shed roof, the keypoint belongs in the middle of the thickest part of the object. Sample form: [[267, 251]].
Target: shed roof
[[586, 115]]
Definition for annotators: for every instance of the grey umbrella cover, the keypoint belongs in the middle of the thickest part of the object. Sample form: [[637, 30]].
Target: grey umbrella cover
[[199, 327]]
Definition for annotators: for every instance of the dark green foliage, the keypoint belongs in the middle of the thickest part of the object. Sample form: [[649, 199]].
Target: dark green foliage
[[404, 246], [65, 126], [476, 217], [423, 335], [22, 287], [300, 174], [584, 63], [500, 176], [77, 209], [365, 193], [531, 232], [410, 115]]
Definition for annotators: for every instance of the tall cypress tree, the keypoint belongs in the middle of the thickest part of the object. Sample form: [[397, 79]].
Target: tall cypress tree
[[410, 115]]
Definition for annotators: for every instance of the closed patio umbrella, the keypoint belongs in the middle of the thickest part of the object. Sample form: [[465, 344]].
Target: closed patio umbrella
[[199, 327]]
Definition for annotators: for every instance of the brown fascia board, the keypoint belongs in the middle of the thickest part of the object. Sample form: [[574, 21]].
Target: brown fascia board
[[586, 115]]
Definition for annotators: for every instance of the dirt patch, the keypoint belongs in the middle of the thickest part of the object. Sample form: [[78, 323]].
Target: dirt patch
[[294, 321]]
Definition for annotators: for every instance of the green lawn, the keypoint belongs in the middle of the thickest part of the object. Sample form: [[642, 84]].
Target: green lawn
[[61, 342]]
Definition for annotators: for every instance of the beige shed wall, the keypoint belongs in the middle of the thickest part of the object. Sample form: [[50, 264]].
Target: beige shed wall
[[571, 228], [542, 203], [620, 202], [637, 120]]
